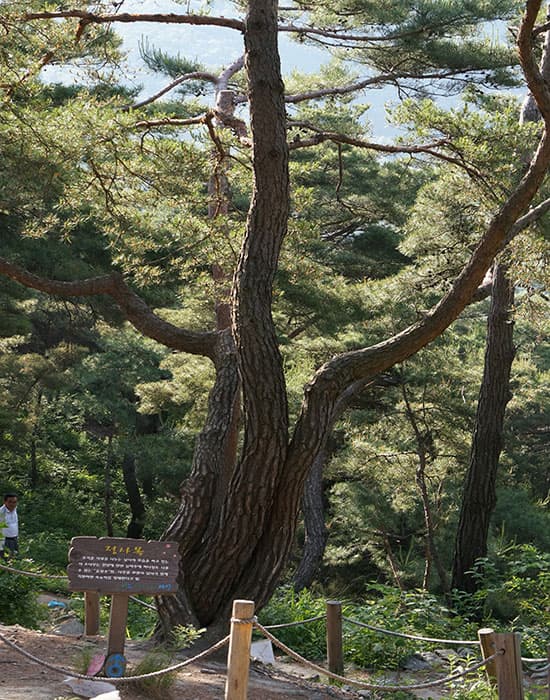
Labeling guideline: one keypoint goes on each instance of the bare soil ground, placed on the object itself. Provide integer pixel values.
(24, 679)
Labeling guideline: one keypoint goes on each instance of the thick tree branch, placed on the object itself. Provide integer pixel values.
(321, 136)
(173, 121)
(125, 17)
(221, 82)
(196, 75)
(344, 35)
(229, 72)
(390, 78)
(132, 306)
(342, 370)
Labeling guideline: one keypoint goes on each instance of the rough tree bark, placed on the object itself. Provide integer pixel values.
(479, 496)
(236, 528)
(315, 530)
(313, 511)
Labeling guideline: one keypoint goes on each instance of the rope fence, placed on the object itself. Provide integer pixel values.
(253, 622)
(370, 686)
(501, 652)
(460, 642)
(126, 679)
(296, 623)
(32, 573)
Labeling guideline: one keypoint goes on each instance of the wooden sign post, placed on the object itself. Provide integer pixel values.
(121, 567)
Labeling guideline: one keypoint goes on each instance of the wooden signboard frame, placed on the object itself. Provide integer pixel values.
(120, 567)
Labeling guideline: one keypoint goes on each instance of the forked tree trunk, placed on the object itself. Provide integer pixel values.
(221, 521)
(479, 497)
(236, 530)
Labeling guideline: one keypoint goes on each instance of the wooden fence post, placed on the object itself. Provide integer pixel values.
(91, 613)
(509, 671)
(335, 656)
(238, 657)
(486, 638)
(118, 618)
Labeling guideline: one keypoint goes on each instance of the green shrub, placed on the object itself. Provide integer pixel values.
(387, 608)
(514, 594)
(157, 686)
(19, 599)
(141, 620)
(287, 606)
(49, 548)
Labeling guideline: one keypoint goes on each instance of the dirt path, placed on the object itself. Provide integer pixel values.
(24, 679)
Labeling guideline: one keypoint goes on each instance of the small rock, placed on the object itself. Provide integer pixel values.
(71, 627)
(415, 663)
(90, 689)
(468, 652)
(432, 658)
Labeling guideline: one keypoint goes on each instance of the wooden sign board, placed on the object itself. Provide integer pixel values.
(119, 565)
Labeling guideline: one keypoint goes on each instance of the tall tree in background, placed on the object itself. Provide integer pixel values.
(237, 518)
(479, 496)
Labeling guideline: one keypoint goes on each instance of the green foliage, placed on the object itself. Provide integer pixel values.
(514, 591)
(175, 67)
(18, 598)
(49, 548)
(426, 37)
(141, 619)
(521, 519)
(183, 636)
(411, 612)
(372, 244)
(479, 690)
(408, 612)
(157, 686)
(288, 606)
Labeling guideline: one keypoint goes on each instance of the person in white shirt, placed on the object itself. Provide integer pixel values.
(10, 528)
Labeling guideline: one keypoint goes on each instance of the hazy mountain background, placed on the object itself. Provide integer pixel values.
(214, 47)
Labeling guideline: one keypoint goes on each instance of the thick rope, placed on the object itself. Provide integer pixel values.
(371, 686)
(125, 679)
(243, 620)
(296, 623)
(142, 602)
(412, 636)
(55, 576)
(31, 573)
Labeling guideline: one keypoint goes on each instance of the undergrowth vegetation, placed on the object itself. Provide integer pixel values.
(514, 595)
